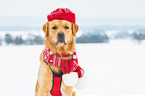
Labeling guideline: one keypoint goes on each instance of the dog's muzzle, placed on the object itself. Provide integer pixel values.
(60, 37)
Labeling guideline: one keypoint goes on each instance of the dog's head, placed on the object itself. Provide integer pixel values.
(60, 35)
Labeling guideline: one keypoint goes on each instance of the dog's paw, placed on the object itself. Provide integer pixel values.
(82, 83)
(70, 79)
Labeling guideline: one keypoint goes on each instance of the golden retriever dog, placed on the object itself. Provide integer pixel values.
(59, 38)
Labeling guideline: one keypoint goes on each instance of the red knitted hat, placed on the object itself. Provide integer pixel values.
(62, 13)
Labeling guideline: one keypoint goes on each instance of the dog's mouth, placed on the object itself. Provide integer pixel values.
(60, 42)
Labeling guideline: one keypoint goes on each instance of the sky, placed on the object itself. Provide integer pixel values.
(82, 8)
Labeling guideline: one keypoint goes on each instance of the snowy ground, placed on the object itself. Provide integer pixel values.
(116, 68)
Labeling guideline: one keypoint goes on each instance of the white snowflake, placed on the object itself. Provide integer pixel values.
(45, 57)
(50, 60)
(50, 52)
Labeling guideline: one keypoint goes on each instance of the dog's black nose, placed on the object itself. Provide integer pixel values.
(60, 34)
(60, 37)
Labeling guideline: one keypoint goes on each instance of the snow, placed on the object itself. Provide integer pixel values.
(114, 69)
(111, 33)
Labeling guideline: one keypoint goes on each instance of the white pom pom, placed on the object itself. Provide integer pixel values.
(82, 83)
(70, 79)
(74, 56)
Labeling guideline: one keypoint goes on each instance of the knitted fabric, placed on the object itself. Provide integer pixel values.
(67, 66)
(62, 13)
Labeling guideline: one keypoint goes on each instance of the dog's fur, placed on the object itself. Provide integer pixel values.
(45, 76)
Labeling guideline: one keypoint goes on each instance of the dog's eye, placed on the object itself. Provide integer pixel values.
(66, 27)
(54, 27)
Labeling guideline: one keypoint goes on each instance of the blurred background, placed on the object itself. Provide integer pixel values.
(21, 21)
(110, 44)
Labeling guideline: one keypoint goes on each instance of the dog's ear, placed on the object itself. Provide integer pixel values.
(75, 29)
(46, 28)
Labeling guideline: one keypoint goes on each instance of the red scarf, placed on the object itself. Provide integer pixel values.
(67, 66)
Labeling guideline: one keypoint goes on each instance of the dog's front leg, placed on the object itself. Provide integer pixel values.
(44, 81)
(67, 90)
